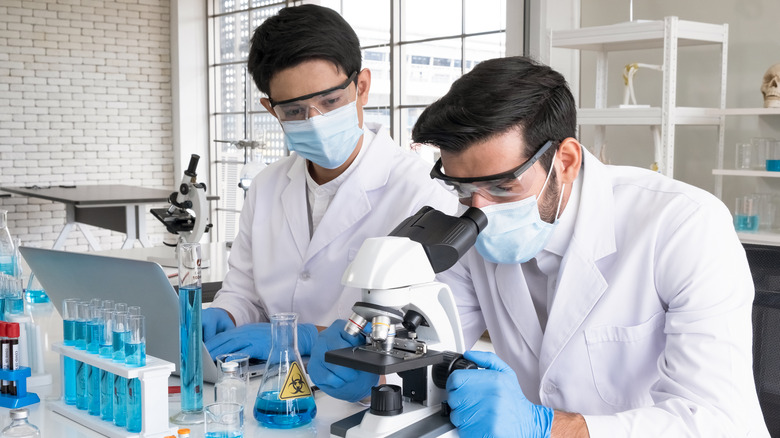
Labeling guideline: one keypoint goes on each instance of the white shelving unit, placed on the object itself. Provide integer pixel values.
(668, 34)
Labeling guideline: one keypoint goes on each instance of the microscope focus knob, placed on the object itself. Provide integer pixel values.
(386, 400)
(452, 362)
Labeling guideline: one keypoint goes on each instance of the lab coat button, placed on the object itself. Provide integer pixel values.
(304, 275)
(549, 388)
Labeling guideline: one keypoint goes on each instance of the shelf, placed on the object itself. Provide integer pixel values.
(760, 238)
(634, 35)
(751, 112)
(647, 116)
(740, 172)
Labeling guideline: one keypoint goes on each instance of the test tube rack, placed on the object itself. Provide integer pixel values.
(154, 394)
(22, 397)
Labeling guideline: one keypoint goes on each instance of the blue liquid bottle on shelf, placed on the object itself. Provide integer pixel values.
(284, 399)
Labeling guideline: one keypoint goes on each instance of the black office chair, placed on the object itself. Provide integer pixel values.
(765, 267)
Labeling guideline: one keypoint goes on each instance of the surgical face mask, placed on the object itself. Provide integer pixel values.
(516, 232)
(326, 140)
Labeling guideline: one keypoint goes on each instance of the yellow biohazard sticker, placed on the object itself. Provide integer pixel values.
(295, 385)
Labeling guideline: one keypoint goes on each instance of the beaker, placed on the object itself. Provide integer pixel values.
(284, 399)
(190, 335)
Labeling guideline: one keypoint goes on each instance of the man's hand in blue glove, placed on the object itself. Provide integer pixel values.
(255, 340)
(489, 402)
(337, 381)
(215, 320)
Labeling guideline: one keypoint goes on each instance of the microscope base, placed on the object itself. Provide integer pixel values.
(416, 421)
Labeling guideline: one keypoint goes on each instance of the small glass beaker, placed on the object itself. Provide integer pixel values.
(773, 156)
(224, 420)
(760, 152)
(284, 399)
(746, 215)
(744, 156)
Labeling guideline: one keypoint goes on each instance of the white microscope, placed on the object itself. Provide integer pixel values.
(188, 214)
(415, 327)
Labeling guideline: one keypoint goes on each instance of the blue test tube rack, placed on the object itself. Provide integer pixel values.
(22, 397)
(154, 394)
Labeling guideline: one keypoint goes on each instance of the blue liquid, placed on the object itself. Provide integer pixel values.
(69, 332)
(135, 354)
(70, 381)
(94, 336)
(284, 414)
(94, 390)
(118, 345)
(746, 223)
(82, 384)
(36, 296)
(120, 401)
(190, 334)
(773, 165)
(7, 265)
(134, 406)
(225, 434)
(106, 351)
(81, 334)
(106, 396)
(14, 305)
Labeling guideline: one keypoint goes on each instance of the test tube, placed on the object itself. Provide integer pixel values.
(14, 299)
(120, 334)
(120, 307)
(95, 328)
(134, 412)
(106, 378)
(135, 347)
(133, 310)
(83, 315)
(82, 369)
(69, 317)
(108, 304)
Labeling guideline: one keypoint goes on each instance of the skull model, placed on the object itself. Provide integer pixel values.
(770, 88)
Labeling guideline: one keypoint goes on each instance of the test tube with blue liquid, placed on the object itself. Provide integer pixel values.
(119, 337)
(69, 317)
(190, 335)
(106, 378)
(14, 300)
(135, 356)
(82, 369)
(94, 338)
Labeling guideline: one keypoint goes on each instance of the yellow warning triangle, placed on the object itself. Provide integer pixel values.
(295, 385)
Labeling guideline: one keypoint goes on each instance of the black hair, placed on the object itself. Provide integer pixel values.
(496, 96)
(302, 33)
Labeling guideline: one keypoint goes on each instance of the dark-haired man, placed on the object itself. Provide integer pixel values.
(618, 300)
(305, 216)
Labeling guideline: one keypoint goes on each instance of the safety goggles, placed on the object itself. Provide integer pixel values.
(323, 101)
(502, 187)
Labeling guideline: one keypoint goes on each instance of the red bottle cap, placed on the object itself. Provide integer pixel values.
(13, 329)
(3, 329)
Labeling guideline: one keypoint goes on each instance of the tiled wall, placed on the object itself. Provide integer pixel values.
(85, 98)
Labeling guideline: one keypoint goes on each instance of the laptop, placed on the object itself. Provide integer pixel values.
(135, 282)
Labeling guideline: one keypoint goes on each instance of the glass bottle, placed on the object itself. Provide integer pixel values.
(20, 427)
(6, 246)
(190, 335)
(230, 388)
(284, 399)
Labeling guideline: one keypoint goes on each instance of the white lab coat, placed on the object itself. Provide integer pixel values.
(650, 330)
(275, 266)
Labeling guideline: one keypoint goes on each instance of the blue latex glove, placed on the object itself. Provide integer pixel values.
(337, 381)
(489, 402)
(215, 320)
(255, 340)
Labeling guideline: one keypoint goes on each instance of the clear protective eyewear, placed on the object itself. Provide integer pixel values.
(323, 101)
(501, 187)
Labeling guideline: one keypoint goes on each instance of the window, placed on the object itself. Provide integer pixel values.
(399, 39)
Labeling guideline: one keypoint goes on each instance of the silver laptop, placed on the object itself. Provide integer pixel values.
(135, 282)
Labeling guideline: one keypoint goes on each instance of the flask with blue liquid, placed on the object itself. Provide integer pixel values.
(284, 400)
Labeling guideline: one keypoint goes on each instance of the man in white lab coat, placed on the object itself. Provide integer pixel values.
(306, 215)
(618, 300)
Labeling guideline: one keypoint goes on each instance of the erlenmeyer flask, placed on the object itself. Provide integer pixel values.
(284, 399)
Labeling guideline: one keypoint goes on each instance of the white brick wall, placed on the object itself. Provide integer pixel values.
(85, 98)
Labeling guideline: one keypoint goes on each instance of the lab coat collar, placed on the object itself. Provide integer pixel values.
(580, 283)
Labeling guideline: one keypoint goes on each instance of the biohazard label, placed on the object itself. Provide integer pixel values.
(295, 385)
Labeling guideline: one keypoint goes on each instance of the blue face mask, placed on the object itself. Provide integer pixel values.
(326, 140)
(515, 232)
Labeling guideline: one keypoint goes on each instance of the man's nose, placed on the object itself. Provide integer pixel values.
(479, 201)
(313, 111)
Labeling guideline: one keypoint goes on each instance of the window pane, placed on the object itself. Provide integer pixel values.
(485, 15)
(381, 116)
(370, 19)
(229, 88)
(417, 19)
(266, 128)
(233, 34)
(222, 6)
(260, 15)
(428, 70)
(378, 61)
(480, 48)
(408, 119)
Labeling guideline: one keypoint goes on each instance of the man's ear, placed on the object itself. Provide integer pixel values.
(267, 105)
(570, 159)
(363, 86)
